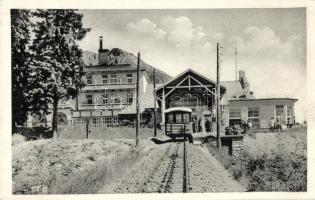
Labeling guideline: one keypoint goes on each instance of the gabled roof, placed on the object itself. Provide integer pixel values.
(204, 80)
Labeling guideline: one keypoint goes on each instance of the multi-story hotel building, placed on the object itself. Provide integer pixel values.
(110, 91)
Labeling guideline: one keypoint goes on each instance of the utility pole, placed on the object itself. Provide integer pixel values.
(137, 101)
(87, 128)
(218, 98)
(235, 63)
(154, 102)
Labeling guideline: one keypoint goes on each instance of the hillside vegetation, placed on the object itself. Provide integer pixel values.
(70, 166)
(270, 161)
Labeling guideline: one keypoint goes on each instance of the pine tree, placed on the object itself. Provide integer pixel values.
(21, 70)
(57, 57)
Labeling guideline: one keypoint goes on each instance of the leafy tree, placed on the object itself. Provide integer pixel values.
(20, 60)
(57, 57)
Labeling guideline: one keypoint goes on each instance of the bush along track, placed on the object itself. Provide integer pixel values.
(282, 168)
(67, 166)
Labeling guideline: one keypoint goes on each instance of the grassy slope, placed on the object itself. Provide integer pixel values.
(69, 166)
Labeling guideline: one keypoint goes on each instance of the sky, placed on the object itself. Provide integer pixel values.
(271, 44)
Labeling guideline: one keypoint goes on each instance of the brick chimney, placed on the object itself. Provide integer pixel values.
(102, 53)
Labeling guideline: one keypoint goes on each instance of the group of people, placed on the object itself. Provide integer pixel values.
(246, 125)
(203, 125)
(275, 125)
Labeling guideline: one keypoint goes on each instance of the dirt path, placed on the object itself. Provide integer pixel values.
(206, 174)
(129, 179)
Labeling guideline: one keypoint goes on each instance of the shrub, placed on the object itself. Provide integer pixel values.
(275, 172)
(274, 162)
(17, 138)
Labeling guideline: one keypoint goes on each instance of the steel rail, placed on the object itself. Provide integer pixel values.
(171, 170)
(156, 167)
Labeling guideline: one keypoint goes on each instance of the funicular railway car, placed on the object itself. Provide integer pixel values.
(178, 123)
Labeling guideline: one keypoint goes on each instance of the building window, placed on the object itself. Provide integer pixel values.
(129, 98)
(77, 121)
(113, 78)
(186, 118)
(89, 99)
(110, 121)
(178, 118)
(105, 79)
(105, 99)
(253, 116)
(106, 120)
(89, 80)
(96, 121)
(80, 121)
(117, 100)
(279, 113)
(290, 119)
(170, 118)
(234, 116)
(129, 78)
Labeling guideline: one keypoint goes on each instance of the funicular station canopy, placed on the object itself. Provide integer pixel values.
(191, 90)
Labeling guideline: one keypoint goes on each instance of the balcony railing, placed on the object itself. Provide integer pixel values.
(109, 86)
(95, 83)
(100, 104)
(103, 106)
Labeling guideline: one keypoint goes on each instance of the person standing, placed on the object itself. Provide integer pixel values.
(202, 124)
(249, 124)
(272, 124)
(194, 125)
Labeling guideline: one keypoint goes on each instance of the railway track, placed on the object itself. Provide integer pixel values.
(170, 174)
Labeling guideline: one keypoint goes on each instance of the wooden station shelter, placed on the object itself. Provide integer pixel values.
(194, 91)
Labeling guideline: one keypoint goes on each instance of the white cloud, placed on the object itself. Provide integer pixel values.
(263, 43)
(146, 27)
(179, 30)
(261, 38)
